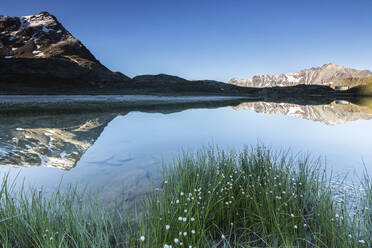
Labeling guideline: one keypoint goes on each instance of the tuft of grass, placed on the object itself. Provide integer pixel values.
(249, 199)
(28, 219)
(212, 198)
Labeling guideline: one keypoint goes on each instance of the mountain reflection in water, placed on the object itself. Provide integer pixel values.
(54, 141)
(60, 141)
(336, 113)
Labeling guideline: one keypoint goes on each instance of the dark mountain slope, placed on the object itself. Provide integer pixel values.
(37, 52)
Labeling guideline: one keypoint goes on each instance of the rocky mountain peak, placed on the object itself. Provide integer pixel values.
(36, 50)
(39, 36)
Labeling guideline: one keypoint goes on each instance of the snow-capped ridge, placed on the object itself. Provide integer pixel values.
(324, 75)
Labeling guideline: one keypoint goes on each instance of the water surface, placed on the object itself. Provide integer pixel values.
(120, 155)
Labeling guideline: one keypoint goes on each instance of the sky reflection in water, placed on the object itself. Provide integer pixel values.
(127, 157)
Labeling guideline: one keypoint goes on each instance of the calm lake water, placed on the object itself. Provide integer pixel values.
(120, 155)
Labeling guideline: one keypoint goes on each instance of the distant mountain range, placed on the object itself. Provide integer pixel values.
(326, 75)
(39, 56)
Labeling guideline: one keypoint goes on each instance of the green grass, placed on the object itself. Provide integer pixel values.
(253, 198)
(353, 82)
(28, 219)
(363, 89)
(212, 198)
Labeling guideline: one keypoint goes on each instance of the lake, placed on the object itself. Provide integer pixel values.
(119, 154)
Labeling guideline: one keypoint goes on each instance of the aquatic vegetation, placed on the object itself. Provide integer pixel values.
(212, 198)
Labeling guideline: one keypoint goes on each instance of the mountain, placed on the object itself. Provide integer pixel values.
(336, 113)
(36, 50)
(175, 85)
(325, 75)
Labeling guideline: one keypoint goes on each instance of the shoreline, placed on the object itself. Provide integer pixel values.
(137, 99)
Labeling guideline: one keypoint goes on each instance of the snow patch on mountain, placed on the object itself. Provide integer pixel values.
(291, 77)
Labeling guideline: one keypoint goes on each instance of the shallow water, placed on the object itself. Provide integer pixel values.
(120, 155)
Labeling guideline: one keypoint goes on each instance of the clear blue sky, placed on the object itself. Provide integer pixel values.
(218, 40)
